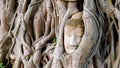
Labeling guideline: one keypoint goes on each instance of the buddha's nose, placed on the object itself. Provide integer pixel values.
(73, 40)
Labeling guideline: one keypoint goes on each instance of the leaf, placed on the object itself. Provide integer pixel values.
(54, 39)
(1, 65)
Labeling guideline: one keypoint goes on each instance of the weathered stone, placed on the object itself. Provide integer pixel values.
(73, 32)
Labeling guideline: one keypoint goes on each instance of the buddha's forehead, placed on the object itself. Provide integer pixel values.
(74, 22)
(72, 27)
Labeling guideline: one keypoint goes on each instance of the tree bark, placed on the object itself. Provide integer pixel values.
(33, 33)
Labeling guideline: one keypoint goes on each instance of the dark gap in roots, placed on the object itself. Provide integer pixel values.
(95, 62)
(80, 5)
(6, 64)
(13, 23)
(9, 65)
(42, 50)
(105, 46)
(115, 31)
(106, 65)
(113, 2)
(16, 5)
(104, 51)
(28, 3)
(115, 37)
(0, 23)
(22, 49)
(104, 25)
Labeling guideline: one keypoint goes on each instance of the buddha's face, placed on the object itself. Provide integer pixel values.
(72, 37)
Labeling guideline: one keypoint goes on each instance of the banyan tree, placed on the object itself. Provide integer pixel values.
(60, 33)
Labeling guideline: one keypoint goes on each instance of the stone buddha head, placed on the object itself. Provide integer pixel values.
(73, 33)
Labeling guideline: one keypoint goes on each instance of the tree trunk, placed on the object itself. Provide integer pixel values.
(60, 33)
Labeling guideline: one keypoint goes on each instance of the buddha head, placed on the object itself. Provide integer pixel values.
(73, 33)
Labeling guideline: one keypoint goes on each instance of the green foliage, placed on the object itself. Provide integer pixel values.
(1, 65)
(54, 39)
